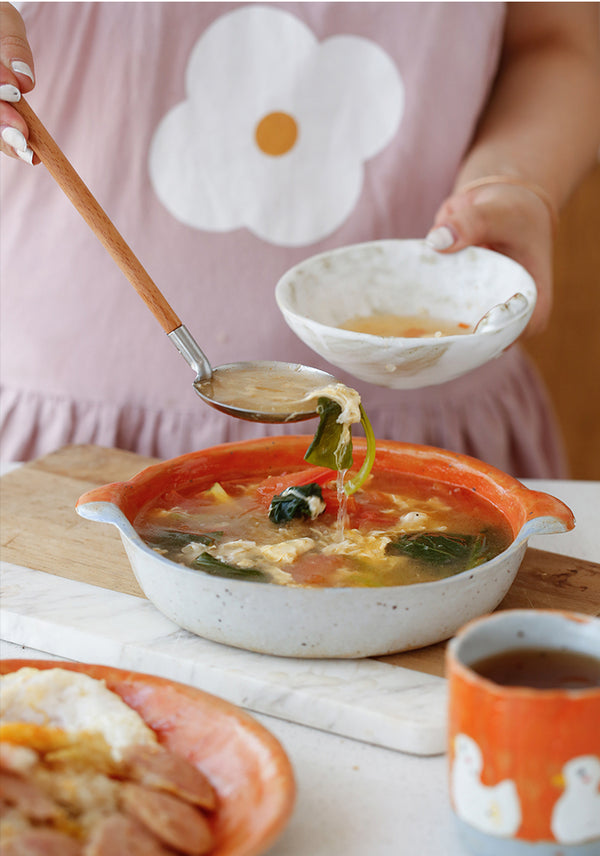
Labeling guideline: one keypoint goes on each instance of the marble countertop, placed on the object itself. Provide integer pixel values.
(354, 794)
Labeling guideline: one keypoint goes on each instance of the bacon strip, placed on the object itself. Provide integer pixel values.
(28, 798)
(41, 842)
(119, 835)
(176, 823)
(166, 771)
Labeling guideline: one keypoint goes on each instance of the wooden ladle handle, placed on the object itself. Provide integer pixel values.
(94, 215)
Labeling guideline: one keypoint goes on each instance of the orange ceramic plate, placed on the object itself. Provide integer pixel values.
(246, 765)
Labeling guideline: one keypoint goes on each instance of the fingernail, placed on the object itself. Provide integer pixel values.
(14, 138)
(17, 141)
(26, 155)
(20, 67)
(8, 92)
(440, 238)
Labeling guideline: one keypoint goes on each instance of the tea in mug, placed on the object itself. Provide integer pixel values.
(541, 668)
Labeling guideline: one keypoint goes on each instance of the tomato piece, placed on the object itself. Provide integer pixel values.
(369, 511)
(316, 570)
(332, 503)
(370, 518)
(273, 485)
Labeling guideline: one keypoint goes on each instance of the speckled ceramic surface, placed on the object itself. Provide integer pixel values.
(322, 622)
(406, 278)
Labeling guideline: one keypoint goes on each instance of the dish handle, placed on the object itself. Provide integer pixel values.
(545, 514)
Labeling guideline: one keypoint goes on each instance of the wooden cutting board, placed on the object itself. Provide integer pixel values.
(41, 530)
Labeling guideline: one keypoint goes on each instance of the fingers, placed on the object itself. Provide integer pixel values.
(16, 77)
(508, 219)
(15, 53)
(460, 222)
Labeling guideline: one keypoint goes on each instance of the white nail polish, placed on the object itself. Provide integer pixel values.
(8, 92)
(20, 67)
(26, 155)
(440, 238)
(14, 138)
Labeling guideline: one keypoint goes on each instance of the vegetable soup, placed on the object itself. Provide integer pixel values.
(301, 529)
(406, 326)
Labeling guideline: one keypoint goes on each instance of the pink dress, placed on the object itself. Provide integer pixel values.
(228, 142)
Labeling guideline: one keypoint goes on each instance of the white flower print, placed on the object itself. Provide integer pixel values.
(275, 129)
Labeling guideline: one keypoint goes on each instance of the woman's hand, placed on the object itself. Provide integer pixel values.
(509, 219)
(16, 76)
(541, 125)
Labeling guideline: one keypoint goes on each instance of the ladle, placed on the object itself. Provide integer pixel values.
(260, 391)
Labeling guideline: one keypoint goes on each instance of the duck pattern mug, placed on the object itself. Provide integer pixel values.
(524, 760)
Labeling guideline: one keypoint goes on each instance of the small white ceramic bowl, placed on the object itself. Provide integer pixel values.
(407, 278)
(322, 622)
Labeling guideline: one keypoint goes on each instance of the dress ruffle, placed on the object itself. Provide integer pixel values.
(498, 413)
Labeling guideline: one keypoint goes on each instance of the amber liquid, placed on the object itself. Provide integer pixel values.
(405, 326)
(264, 389)
(541, 668)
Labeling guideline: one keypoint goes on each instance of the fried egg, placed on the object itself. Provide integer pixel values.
(73, 702)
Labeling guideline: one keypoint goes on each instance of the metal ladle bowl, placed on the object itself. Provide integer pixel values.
(259, 391)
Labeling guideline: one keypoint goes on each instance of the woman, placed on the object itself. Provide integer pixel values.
(230, 141)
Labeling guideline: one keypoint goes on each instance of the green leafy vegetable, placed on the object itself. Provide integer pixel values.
(295, 502)
(441, 548)
(174, 539)
(353, 484)
(211, 565)
(326, 449)
(208, 538)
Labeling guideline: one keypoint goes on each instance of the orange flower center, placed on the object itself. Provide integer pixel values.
(276, 133)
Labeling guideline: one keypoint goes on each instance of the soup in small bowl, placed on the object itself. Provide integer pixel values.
(246, 544)
(400, 315)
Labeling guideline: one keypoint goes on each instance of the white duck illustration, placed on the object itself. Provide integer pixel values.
(576, 814)
(494, 809)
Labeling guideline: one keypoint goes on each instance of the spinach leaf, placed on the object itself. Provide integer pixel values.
(175, 539)
(207, 538)
(353, 484)
(215, 567)
(441, 548)
(294, 502)
(324, 450)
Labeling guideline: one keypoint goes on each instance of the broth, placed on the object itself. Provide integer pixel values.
(405, 326)
(266, 389)
(541, 668)
(398, 529)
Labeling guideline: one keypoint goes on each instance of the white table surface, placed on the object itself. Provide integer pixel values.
(358, 799)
